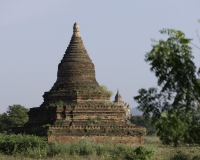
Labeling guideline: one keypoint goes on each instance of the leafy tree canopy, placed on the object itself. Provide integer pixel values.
(174, 106)
(15, 116)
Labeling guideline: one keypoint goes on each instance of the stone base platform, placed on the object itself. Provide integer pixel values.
(110, 140)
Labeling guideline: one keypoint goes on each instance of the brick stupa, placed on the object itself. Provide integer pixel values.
(77, 107)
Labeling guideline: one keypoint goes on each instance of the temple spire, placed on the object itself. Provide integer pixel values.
(75, 72)
(76, 30)
(118, 97)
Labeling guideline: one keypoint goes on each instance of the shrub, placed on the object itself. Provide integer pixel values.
(130, 153)
(55, 148)
(82, 148)
(11, 144)
(181, 156)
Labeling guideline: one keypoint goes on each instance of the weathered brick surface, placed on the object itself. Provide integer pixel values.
(128, 140)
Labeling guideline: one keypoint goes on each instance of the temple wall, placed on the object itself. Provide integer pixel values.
(127, 140)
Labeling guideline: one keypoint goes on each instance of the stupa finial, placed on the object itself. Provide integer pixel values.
(118, 97)
(76, 30)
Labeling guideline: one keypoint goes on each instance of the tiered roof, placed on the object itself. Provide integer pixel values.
(76, 68)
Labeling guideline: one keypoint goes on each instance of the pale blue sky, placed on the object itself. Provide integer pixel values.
(34, 35)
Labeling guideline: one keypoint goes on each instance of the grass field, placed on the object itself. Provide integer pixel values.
(161, 152)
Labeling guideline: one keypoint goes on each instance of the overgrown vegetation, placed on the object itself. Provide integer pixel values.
(87, 93)
(61, 103)
(32, 147)
(37, 147)
(95, 120)
(94, 89)
(87, 90)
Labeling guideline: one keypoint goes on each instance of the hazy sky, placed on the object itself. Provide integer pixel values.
(34, 35)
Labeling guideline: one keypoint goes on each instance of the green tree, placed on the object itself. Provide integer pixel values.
(15, 116)
(174, 106)
(140, 121)
(3, 122)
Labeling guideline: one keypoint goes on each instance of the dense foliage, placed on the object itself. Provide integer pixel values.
(15, 116)
(37, 147)
(173, 107)
(12, 144)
